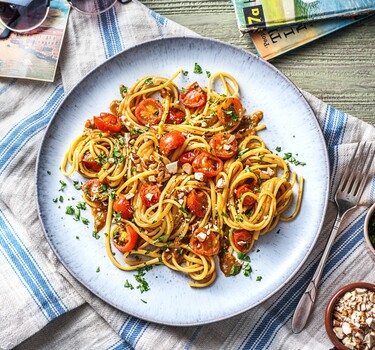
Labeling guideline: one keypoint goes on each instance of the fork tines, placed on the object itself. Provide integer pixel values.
(356, 174)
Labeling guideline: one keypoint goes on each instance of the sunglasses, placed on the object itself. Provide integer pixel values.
(24, 15)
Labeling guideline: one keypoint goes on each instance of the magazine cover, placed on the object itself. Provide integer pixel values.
(270, 43)
(254, 14)
(34, 55)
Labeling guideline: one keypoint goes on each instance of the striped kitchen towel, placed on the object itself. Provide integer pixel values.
(43, 307)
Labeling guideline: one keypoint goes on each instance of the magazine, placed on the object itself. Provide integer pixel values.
(255, 14)
(34, 55)
(270, 43)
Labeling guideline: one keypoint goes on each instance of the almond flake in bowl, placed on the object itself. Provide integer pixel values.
(350, 317)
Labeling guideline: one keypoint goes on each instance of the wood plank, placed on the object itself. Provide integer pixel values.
(339, 69)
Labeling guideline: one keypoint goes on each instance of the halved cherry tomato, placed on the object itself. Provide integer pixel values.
(204, 242)
(224, 145)
(171, 140)
(175, 116)
(208, 164)
(150, 194)
(197, 203)
(186, 157)
(95, 190)
(107, 122)
(90, 162)
(125, 239)
(251, 187)
(122, 205)
(149, 112)
(194, 96)
(243, 240)
(230, 112)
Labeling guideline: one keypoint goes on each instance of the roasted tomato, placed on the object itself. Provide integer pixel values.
(194, 96)
(197, 203)
(205, 242)
(122, 205)
(125, 238)
(149, 112)
(150, 194)
(95, 190)
(243, 240)
(187, 157)
(90, 162)
(230, 112)
(107, 122)
(175, 116)
(208, 164)
(224, 145)
(250, 187)
(170, 141)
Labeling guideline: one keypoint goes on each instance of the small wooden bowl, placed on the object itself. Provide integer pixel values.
(328, 319)
(369, 215)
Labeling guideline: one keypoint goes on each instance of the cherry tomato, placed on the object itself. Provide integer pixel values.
(224, 145)
(122, 205)
(208, 164)
(242, 240)
(150, 195)
(149, 112)
(90, 162)
(251, 187)
(187, 157)
(197, 203)
(194, 96)
(125, 239)
(95, 190)
(107, 122)
(204, 242)
(170, 141)
(175, 116)
(230, 111)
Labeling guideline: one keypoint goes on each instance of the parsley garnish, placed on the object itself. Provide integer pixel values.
(161, 238)
(289, 157)
(85, 221)
(69, 210)
(98, 269)
(208, 74)
(197, 69)
(63, 184)
(278, 149)
(259, 278)
(143, 285)
(149, 82)
(95, 234)
(48, 172)
(81, 205)
(127, 284)
(235, 270)
(77, 185)
(185, 72)
(123, 89)
(241, 153)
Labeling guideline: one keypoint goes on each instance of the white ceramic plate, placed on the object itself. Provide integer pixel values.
(291, 125)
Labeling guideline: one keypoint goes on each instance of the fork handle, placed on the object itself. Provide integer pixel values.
(306, 303)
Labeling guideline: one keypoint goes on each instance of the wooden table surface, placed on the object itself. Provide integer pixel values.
(339, 68)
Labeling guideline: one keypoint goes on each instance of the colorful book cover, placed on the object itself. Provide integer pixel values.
(34, 55)
(271, 43)
(255, 14)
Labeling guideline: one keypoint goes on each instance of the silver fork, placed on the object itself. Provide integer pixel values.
(347, 196)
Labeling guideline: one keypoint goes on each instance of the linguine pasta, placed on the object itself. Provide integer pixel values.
(181, 178)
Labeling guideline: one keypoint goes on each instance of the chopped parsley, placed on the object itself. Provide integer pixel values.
(143, 285)
(61, 199)
(259, 278)
(235, 269)
(208, 74)
(95, 234)
(127, 284)
(185, 72)
(123, 89)
(101, 159)
(161, 238)
(48, 172)
(197, 69)
(77, 185)
(85, 221)
(63, 184)
(183, 90)
(69, 210)
(98, 269)
(183, 210)
(149, 82)
(241, 153)
(278, 149)
(291, 159)
(54, 200)
(81, 205)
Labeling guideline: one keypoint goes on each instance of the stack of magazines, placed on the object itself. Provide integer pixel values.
(278, 26)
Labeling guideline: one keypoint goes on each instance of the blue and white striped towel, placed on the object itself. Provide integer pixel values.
(43, 307)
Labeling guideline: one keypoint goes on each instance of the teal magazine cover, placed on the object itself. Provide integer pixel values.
(254, 14)
(34, 55)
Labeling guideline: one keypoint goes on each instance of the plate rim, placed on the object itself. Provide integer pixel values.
(233, 47)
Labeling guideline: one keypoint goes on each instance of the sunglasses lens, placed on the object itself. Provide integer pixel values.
(23, 17)
(92, 6)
